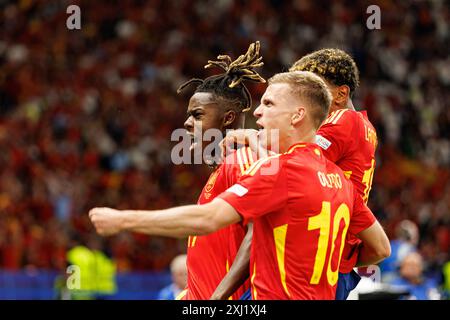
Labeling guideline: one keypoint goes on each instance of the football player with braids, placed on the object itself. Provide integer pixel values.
(301, 205)
(219, 102)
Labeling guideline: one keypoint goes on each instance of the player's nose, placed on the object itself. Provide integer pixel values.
(189, 124)
(258, 112)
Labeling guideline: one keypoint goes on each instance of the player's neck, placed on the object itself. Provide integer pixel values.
(309, 136)
(304, 136)
(350, 105)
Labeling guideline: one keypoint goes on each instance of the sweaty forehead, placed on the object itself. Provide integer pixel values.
(201, 99)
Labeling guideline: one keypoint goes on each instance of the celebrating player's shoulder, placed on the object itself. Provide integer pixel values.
(336, 135)
(348, 138)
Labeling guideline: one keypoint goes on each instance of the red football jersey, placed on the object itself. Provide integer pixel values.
(349, 139)
(302, 207)
(209, 257)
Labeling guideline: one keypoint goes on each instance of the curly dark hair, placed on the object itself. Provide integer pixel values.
(229, 85)
(335, 65)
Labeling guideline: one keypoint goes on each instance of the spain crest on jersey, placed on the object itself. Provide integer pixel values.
(210, 184)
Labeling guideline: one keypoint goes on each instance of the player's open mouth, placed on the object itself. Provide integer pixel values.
(260, 126)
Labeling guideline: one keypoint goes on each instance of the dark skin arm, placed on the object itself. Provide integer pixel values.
(239, 271)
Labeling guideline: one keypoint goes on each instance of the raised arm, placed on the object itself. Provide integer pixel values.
(239, 271)
(176, 222)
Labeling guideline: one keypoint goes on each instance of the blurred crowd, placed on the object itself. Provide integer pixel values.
(86, 115)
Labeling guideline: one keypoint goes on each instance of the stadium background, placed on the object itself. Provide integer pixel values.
(86, 117)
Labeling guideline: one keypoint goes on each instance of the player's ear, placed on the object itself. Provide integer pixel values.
(228, 118)
(298, 116)
(342, 95)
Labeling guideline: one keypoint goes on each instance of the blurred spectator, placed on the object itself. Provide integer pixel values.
(178, 270)
(91, 274)
(446, 284)
(405, 242)
(412, 279)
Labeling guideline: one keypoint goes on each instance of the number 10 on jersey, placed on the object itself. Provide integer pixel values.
(323, 222)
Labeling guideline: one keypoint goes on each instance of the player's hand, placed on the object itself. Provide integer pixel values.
(244, 137)
(238, 138)
(106, 221)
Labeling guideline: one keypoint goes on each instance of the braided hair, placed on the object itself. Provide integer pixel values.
(230, 84)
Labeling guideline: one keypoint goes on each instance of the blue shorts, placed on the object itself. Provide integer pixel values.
(346, 283)
(247, 295)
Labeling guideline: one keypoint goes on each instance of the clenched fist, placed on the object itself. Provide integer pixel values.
(106, 221)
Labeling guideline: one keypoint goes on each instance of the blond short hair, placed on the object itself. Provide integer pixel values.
(311, 89)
